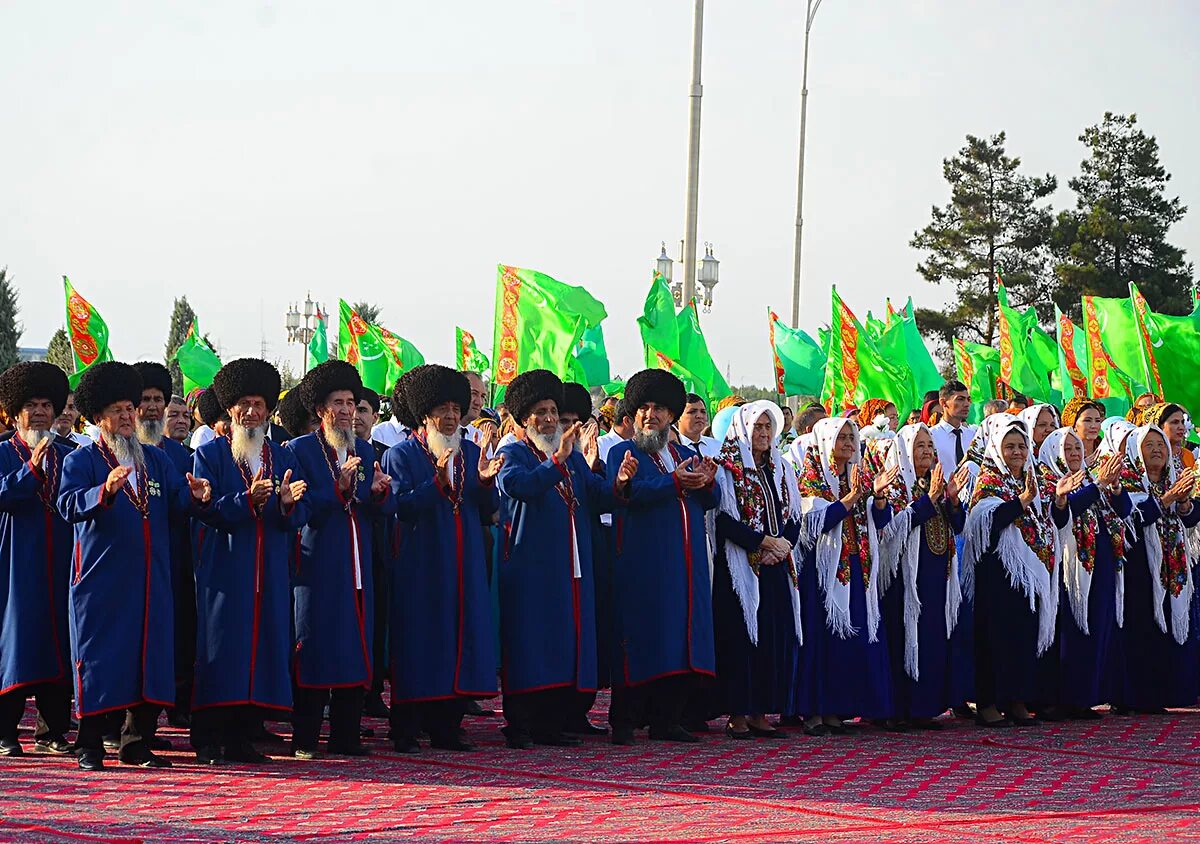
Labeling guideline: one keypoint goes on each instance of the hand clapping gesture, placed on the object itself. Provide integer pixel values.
(627, 470)
(380, 483)
(1065, 486)
(38, 456)
(957, 482)
(260, 488)
(567, 444)
(291, 491)
(488, 469)
(1109, 471)
(937, 483)
(589, 442)
(856, 488)
(1182, 489)
(1031, 488)
(693, 474)
(201, 489)
(117, 479)
(348, 473)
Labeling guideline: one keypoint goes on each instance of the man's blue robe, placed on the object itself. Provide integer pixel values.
(35, 565)
(333, 590)
(243, 588)
(121, 611)
(441, 640)
(547, 614)
(661, 590)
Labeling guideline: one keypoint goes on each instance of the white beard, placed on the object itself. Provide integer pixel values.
(127, 450)
(439, 443)
(341, 439)
(150, 433)
(32, 437)
(545, 444)
(651, 443)
(247, 443)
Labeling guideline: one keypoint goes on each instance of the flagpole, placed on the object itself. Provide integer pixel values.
(813, 5)
(695, 92)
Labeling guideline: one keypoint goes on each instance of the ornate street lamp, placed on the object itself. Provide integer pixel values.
(707, 276)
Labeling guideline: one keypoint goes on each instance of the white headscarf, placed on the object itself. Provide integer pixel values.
(828, 544)
(981, 436)
(901, 542)
(1025, 570)
(1114, 429)
(1029, 416)
(1181, 603)
(745, 581)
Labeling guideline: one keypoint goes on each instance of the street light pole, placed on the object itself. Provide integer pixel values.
(808, 22)
(693, 174)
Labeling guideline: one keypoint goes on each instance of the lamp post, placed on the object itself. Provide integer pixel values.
(695, 92)
(813, 5)
(707, 276)
(302, 325)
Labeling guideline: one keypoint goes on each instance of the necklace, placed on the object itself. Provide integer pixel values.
(565, 489)
(458, 469)
(247, 475)
(48, 491)
(334, 467)
(141, 498)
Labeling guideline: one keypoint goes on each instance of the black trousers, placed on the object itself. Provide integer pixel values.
(544, 712)
(138, 726)
(53, 706)
(379, 648)
(440, 718)
(659, 703)
(225, 726)
(345, 716)
(580, 708)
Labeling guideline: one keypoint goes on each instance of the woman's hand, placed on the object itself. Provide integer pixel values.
(957, 483)
(1109, 471)
(884, 480)
(1182, 489)
(1030, 492)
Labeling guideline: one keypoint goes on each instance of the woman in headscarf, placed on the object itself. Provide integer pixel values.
(1113, 432)
(1085, 416)
(1092, 599)
(1161, 660)
(844, 663)
(756, 605)
(1039, 420)
(1172, 420)
(1010, 566)
(1141, 404)
(878, 425)
(921, 609)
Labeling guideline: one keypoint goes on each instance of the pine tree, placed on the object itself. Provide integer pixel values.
(58, 352)
(287, 375)
(994, 220)
(182, 317)
(10, 329)
(369, 312)
(1117, 231)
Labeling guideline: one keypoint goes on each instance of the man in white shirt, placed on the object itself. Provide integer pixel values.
(951, 436)
(691, 426)
(622, 430)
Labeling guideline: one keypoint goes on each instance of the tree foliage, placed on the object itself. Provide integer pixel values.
(287, 375)
(368, 311)
(1117, 231)
(58, 352)
(10, 328)
(182, 317)
(995, 219)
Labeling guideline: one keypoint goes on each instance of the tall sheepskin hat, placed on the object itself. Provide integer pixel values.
(247, 377)
(529, 388)
(155, 376)
(658, 386)
(107, 383)
(326, 378)
(33, 380)
(577, 400)
(434, 385)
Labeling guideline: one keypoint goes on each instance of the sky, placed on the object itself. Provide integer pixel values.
(246, 154)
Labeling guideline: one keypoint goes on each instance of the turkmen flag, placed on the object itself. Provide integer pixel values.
(979, 369)
(197, 361)
(696, 359)
(657, 325)
(591, 359)
(1172, 348)
(874, 327)
(318, 346)
(1023, 365)
(857, 370)
(901, 340)
(401, 355)
(1108, 382)
(539, 322)
(379, 356)
(798, 360)
(467, 356)
(1072, 356)
(88, 332)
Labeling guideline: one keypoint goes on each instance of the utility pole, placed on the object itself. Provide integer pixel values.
(693, 174)
(808, 22)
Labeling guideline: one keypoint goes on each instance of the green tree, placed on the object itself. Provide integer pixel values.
(10, 329)
(287, 375)
(369, 312)
(995, 219)
(182, 317)
(1117, 231)
(752, 393)
(58, 352)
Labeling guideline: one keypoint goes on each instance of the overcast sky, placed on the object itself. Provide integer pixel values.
(246, 153)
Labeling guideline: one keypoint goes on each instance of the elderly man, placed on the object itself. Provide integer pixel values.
(549, 496)
(119, 495)
(243, 597)
(662, 591)
(441, 643)
(35, 560)
(333, 588)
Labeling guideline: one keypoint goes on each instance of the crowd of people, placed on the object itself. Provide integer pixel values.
(243, 558)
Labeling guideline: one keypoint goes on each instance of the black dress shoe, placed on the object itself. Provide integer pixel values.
(759, 732)
(158, 743)
(473, 708)
(456, 744)
(1083, 713)
(585, 728)
(11, 747)
(964, 711)
(55, 745)
(622, 736)
(1000, 723)
(819, 730)
(740, 735)
(556, 740)
(111, 742)
(210, 755)
(1053, 714)
(182, 720)
(516, 739)
(675, 732)
(349, 749)
(150, 760)
(406, 745)
(91, 760)
(697, 727)
(374, 707)
(245, 753)
(1027, 721)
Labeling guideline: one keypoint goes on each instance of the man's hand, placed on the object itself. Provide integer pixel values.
(567, 444)
(38, 456)
(489, 469)
(627, 469)
(201, 489)
(445, 469)
(291, 491)
(380, 483)
(589, 442)
(116, 481)
(348, 473)
(692, 474)
(260, 488)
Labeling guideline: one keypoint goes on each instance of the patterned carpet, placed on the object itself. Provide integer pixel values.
(1116, 780)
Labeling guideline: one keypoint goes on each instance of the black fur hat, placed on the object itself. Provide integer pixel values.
(326, 378)
(154, 376)
(107, 383)
(246, 377)
(209, 407)
(658, 386)
(33, 380)
(529, 388)
(432, 385)
(293, 415)
(399, 404)
(577, 400)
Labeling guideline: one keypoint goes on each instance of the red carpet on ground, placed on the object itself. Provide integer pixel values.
(1115, 780)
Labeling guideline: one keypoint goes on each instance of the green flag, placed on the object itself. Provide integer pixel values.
(88, 332)
(401, 356)
(1172, 348)
(798, 360)
(901, 341)
(197, 361)
(695, 357)
(657, 325)
(1108, 382)
(857, 370)
(379, 356)
(318, 346)
(978, 368)
(1072, 356)
(664, 345)
(538, 324)
(467, 356)
(874, 327)
(1023, 363)
(591, 359)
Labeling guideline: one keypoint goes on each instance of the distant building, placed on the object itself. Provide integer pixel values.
(31, 353)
